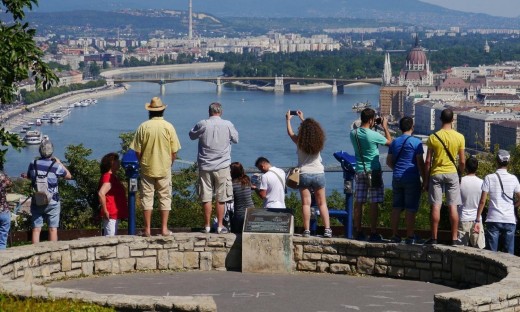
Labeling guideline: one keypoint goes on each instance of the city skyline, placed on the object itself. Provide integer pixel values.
(505, 8)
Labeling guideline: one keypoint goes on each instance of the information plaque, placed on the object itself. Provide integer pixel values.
(258, 220)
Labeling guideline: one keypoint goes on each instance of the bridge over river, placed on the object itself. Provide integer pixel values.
(277, 83)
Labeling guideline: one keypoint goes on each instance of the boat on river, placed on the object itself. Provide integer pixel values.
(33, 137)
(56, 119)
(358, 107)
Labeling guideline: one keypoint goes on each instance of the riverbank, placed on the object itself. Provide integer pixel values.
(163, 68)
(293, 87)
(13, 120)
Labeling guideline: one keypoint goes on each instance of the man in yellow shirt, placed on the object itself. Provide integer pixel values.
(442, 174)
(156, 145)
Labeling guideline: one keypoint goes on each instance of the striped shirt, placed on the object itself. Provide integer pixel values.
(57, 170)
(501, 208)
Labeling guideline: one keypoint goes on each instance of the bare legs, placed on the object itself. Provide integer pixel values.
(207, 213)
(321, 201)
(53, 235)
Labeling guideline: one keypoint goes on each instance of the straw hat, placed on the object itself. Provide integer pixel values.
(155, 105)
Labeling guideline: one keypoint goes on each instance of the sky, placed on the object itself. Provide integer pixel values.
(508, 8)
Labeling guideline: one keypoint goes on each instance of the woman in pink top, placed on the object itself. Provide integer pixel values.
(112, 195)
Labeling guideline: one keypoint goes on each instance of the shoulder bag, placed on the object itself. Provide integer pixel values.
(375, 177)
(504, 193)
(281, 180)
(450, 156)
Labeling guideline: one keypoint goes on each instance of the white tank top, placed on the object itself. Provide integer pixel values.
(309, 163)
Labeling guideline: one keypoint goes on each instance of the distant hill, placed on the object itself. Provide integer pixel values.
(402, 11)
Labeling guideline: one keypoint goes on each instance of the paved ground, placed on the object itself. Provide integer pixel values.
(234, 291)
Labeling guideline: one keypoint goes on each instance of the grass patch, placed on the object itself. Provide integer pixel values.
(10, 303)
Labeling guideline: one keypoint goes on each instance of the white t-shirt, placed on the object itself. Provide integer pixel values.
(501, 208)
(470, 191)
(275, 189)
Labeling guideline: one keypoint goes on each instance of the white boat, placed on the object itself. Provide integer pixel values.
(77, 104)
(26, 127)
(23, 131)
(358, 107)
(71, 105)
(33, 137)
(56, 119)
(45, 118)
(63, 112)
(38, 122)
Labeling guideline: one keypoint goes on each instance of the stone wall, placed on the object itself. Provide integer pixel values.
(23, 269)
(488, 281)
(491, 281)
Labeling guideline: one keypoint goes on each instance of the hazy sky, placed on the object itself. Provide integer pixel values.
(509, 8)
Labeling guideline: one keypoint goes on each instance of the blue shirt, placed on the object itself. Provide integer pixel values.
(215, 137)
(405, 168)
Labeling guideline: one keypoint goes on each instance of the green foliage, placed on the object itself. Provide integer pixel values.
(40, 95)
(58, 66)
(10, 303)
(20, 58)
(79, 199)
(9, 139)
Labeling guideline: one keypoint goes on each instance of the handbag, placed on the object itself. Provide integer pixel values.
(374, 178)
(293, 178)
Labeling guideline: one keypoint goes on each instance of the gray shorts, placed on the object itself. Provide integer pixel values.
(216, 183)
(447, 183)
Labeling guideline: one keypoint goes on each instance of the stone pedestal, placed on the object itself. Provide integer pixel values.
(267, 253)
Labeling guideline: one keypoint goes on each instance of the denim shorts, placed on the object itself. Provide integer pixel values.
(315, 181)
(51, 214)
(406, 195)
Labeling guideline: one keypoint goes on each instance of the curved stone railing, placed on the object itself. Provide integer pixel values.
(490, 281)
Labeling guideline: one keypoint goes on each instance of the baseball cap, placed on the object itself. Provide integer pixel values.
(503, 155)
(46, 149)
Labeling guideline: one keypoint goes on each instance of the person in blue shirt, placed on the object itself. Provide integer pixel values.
(405, 157)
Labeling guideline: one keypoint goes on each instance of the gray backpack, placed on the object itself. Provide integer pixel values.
(41, 197)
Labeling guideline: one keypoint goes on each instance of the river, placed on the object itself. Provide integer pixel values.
(258, 116)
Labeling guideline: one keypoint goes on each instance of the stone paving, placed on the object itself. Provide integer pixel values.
(236, 292)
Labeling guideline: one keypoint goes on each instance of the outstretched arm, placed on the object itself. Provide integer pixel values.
(290, 131)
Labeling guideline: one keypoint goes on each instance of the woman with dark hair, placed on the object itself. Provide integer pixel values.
(112, 195)
(309, 143)
(241, 196)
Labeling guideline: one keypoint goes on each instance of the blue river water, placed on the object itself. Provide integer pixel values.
(258, 116)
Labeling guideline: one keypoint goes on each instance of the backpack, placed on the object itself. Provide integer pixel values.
(41, 197)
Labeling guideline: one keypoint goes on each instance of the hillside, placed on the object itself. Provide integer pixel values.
(401, 11)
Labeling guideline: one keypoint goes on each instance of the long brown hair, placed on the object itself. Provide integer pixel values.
(311, 137)
(107, 161)
(238, 174)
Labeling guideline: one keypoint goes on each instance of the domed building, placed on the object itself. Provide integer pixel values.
(416, 71)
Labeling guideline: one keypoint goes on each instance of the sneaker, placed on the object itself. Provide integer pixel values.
(412, 240)
(306, 233)
(222, 231)
(396, 239)
(206, 230)
(431, 241)
(327, 233)
(374, 238)
(457, 242)
(360, 236)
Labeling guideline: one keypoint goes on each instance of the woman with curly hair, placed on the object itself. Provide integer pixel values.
(309, 142)
(112, 195)
(241, 196)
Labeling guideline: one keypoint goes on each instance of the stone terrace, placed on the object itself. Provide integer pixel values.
(490, 281)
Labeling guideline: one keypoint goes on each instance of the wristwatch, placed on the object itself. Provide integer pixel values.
(477, 221)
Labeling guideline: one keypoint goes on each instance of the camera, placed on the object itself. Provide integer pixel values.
(256, 179)
(379, 120)
(293, 112)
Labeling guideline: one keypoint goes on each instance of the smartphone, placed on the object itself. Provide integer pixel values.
(293, 112)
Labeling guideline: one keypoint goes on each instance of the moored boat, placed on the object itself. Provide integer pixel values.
(360, 106)
(56, 119)
(33, 137)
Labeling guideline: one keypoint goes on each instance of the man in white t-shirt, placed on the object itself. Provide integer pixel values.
(470, 191)
(502, 188)
(272, 184)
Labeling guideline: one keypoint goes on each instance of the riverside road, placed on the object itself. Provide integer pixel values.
(237, 292)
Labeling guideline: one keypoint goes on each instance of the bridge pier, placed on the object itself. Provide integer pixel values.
(219, 85)
(278, 84)
(341, 89)
(334, 87)
(162, 85)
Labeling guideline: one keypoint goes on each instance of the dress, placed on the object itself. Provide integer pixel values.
(5, 212)
(241, 201)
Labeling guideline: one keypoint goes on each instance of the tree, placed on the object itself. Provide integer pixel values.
(20, 59)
